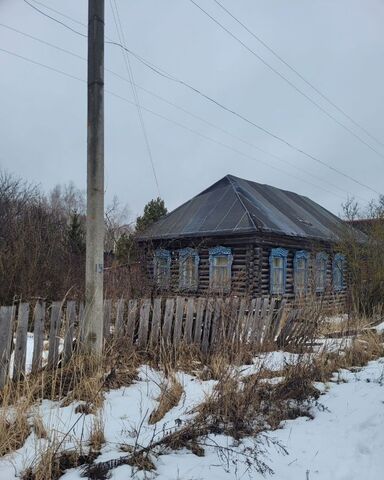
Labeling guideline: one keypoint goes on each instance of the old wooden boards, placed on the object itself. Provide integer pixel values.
(209, 323)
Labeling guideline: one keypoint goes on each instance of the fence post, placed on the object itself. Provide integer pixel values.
(70, 316)
(54, 340)
(21, 342)
(6, 321)
(38, 335)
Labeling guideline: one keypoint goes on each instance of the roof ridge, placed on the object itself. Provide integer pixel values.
(228, 176)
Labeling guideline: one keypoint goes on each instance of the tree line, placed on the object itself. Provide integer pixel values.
(42, 239)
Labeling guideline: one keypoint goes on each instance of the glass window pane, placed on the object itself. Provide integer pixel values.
(277, 262)
(221, 261)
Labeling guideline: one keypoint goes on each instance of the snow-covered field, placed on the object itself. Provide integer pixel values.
(344, 441)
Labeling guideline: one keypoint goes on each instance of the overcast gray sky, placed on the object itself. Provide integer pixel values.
(335, 44)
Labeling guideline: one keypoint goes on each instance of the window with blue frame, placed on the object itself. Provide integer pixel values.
(220, 268)
(278, 270)
(321, 271)
(162, 268)
(188, 269)
(300, 271)
(338, 269)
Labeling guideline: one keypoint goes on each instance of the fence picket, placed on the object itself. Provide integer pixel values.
(81, 323)
(131, 323)
(179, 314)
(217, 321)
(257, 324)
(168, 318)
(107, 310)
(119, 323)
(188, 331)
(201, 303)
(6, 322)
(70, 317)
(156, 321)
(38, 335)
(54, 340)
(207, 324)
(21, 342)
(265, 328)
(232, 321)
(144, 322)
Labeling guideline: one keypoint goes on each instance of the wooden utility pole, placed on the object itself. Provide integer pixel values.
(93, 318)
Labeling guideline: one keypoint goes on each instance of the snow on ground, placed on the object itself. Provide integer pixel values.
(345, 441)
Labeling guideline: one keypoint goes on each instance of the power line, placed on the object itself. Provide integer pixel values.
(231, 111)
(54, 19)
(206, 137)
(178, 107)
(128, 67)
(294, 70)
(285, 79)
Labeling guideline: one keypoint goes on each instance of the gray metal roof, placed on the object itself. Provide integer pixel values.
(237, 206)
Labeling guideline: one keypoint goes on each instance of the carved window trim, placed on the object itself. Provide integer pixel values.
(214, 284)
(278, 289)
(162, 273)
(184, 255)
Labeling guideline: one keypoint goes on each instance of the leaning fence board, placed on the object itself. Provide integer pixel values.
(21, 341)
(6, 321)
(156, 321)
(207, 325)
(168, 318)
(217, 325)
(54, 340)
(82, 322)
(38, 335)
(199, 320)
(179, 314)
(265, 328)
(119, 323)
(131, 323)
(70, 317)
(240, 320)
(257, 322)
(279, 320)
(232, 321)
(143, 323)
(107, 319)
(188, 330)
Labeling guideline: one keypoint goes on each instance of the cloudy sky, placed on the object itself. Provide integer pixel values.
(336, 45)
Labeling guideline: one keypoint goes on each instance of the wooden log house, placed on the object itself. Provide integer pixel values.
(243, 238)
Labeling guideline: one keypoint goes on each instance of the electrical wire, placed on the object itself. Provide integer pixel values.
(174, 122)
(285, 79)
(128, 67)
(229, 110)
(294, 70)
(178, 107)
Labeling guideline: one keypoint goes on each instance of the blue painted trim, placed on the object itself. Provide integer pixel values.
(338, 272)
(321, 258)
(185, 253)
(278, 253)
(162, 254)
(299, 255)
(220, 251)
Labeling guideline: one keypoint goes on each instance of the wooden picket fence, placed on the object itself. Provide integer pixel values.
(145, 323)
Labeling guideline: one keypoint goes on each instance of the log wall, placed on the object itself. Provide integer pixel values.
(250, 268)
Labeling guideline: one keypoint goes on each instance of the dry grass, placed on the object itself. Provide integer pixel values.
(171, 392)
(96, 435)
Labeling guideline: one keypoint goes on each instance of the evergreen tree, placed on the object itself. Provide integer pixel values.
(153, 211)
(76, 234)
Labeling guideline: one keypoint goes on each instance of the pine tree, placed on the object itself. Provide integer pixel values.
(153, 211)
(76, 234)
